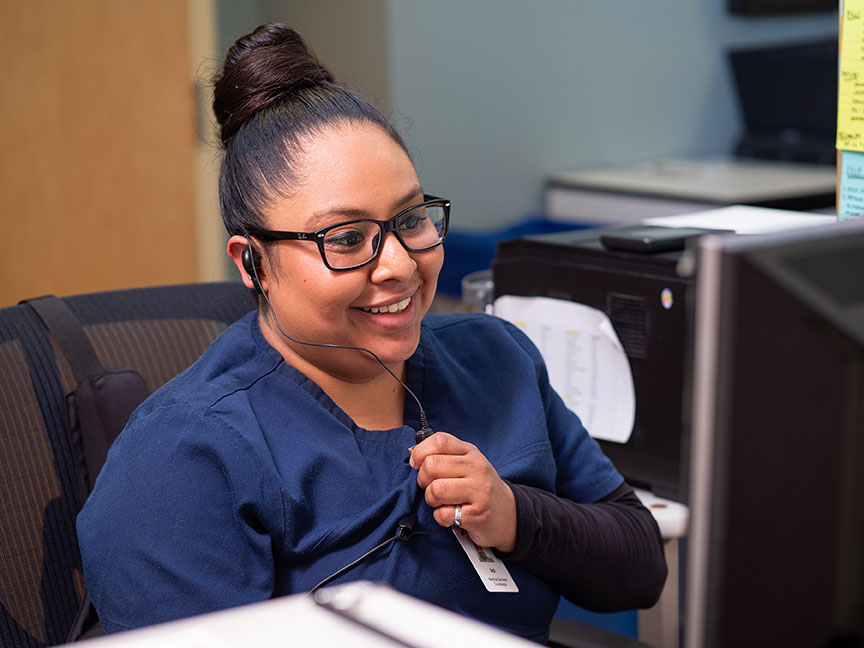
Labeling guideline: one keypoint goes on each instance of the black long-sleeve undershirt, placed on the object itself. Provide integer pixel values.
(605, 556)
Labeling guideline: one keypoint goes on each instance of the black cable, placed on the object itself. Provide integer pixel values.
(351, 565)
(404, 531)
(406, 524)
(424, 432)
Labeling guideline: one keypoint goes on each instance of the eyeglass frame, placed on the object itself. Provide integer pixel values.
(386, 226)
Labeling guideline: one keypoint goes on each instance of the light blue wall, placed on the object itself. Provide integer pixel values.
(494, 95)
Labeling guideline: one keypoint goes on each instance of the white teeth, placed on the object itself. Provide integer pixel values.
(392, 308)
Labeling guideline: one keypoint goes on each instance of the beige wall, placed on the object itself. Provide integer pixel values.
(98, 146)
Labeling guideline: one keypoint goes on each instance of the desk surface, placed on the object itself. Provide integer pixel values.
(358, 615)
(718, 180)
(672, 517)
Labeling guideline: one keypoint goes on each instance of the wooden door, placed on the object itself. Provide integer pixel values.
(98, 146)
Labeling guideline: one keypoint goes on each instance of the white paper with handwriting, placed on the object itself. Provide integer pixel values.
(586, 363)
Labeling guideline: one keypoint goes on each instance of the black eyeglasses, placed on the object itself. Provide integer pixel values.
(352, 244)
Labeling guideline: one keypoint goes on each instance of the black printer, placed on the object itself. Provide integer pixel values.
(632, 277)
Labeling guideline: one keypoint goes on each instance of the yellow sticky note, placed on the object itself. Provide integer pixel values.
(850, 91)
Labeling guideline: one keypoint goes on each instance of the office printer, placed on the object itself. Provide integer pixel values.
(647, 303)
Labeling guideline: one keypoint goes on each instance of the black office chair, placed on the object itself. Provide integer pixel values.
(157, 332)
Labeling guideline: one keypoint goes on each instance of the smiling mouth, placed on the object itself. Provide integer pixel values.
(398, 307)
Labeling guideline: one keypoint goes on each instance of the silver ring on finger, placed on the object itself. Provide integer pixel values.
(457, 519)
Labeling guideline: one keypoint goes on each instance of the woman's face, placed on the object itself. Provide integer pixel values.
(347, 172)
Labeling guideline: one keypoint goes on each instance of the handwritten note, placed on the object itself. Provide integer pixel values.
(850, 91)
(586, 363)
(851, 201)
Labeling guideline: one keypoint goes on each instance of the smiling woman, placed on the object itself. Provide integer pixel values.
(349, 172)
(282, 455)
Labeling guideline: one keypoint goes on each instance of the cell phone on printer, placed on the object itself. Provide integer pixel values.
(649, 239)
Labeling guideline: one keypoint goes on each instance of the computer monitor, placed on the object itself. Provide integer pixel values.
(788, 99)
(771, 7)
(776, 543)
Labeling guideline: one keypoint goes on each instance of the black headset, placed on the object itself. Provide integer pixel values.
(248, 261)
(247, 258)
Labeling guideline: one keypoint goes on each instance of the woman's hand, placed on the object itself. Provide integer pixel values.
(453, 473)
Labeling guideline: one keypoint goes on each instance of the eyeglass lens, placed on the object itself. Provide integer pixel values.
(356, 243)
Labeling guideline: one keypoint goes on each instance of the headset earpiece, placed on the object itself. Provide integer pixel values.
(249, 266)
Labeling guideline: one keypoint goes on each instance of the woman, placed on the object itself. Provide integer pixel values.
(282, 456)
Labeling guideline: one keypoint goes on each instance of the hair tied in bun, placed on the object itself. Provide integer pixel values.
(271, 62)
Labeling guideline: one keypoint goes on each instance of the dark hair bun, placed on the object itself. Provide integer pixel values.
(269, 63)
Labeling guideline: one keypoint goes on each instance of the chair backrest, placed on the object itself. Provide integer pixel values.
(156, 331)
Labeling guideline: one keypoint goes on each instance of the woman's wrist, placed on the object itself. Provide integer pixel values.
(509, 520)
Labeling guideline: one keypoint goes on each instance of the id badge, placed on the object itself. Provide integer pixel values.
(490, 568)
